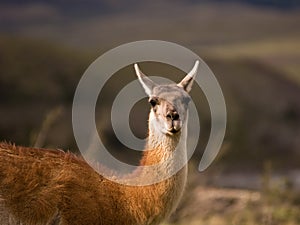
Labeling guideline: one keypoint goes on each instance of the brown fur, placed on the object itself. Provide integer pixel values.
(38, 184)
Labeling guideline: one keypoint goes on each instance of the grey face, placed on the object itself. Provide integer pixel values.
(169, 103)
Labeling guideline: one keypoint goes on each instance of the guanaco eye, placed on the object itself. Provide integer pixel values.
(153, 102)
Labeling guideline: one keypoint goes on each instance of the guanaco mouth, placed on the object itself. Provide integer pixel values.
(173, 130)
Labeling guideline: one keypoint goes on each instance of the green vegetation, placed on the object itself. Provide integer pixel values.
(35, 77)
(30, 66)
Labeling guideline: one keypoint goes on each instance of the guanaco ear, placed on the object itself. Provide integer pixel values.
(187, 81)
(147, 84)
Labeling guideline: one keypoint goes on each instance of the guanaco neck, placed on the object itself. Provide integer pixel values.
(159, 147)
(166, 153)
(160, 199)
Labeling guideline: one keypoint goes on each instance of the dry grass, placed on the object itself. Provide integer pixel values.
(211, 206)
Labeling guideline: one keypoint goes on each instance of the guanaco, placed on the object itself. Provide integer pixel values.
(44, 186)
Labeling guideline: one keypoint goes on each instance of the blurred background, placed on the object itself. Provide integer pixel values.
(252, 46)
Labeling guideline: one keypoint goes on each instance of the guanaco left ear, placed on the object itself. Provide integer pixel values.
(147, 84)
(187, 81)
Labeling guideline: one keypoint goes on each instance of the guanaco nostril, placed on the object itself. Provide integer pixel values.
(173, 116)
(176, 116)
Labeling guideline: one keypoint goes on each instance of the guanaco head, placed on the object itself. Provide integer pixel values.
(169, 102)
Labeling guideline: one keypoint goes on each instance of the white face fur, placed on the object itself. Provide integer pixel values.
(168, 109)
(169, 103)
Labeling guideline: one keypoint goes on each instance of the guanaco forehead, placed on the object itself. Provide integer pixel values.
(172, 94)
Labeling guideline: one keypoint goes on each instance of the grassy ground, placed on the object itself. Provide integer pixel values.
(211, 206)
(271, 204)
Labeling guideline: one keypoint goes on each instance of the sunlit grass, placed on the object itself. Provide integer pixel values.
(262, 48)
(281, 53)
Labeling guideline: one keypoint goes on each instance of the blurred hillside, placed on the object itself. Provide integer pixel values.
(36, 76)
(253, 47)
(263, 105)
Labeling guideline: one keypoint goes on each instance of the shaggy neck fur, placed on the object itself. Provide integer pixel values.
(158, 200)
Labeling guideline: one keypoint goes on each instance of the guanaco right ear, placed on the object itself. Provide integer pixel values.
(187, 81)
(147, 84)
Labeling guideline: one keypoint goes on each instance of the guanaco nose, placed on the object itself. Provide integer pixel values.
(172, 115)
